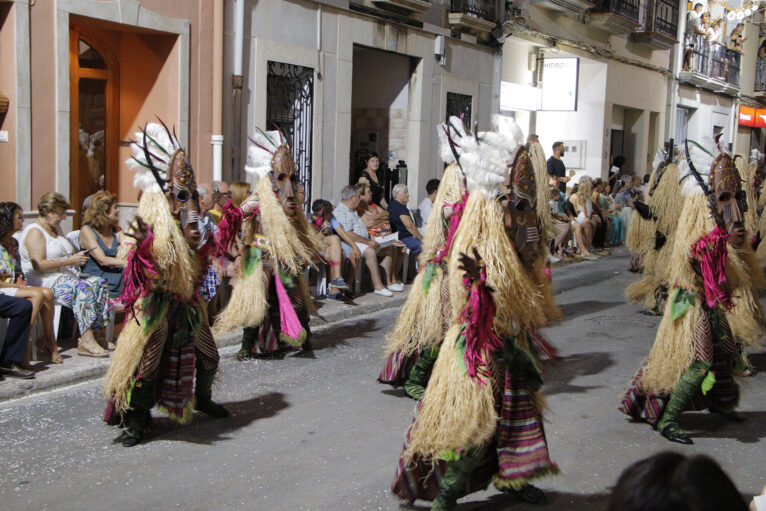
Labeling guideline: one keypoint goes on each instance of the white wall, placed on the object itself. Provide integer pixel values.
(289, 31)
(587, 123)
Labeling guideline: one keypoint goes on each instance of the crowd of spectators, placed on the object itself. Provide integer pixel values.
(593, 215)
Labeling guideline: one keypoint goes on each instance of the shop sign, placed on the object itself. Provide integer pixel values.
(760, 118)
(746, 116)
(560, 84)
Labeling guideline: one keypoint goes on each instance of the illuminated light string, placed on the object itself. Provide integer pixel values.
(738, 13)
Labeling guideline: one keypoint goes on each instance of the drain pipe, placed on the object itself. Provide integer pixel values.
(236, 84)
(216, 139)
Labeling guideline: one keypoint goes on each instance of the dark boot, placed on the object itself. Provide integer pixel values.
(687, 386)
(455, 479)
(415, 385)
(527, 493)
(249, 336)
(203, 391)
(137, 419)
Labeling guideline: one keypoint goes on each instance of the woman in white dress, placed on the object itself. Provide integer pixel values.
(48, 259)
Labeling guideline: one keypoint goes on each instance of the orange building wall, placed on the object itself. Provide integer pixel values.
(42, 29)
(142, 71)
(8, 89)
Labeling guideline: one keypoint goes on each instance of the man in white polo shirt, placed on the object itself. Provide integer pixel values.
(356, 239)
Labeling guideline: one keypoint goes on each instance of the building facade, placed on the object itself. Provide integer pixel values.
(81, 76)
(631, 92)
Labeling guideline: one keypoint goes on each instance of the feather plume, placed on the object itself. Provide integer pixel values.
(150, 147)
(702, 156)
(259, 154)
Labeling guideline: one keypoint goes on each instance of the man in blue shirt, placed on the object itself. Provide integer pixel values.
(401, 219)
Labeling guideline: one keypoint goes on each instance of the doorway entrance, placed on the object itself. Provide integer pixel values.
(94, 118)
(380, 112)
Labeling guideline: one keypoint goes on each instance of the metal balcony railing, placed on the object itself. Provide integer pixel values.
(760, 75)
(715, 60)
(626, 8)
(483, 9)
(660, 16)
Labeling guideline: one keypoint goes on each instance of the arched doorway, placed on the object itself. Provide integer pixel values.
(94, 118)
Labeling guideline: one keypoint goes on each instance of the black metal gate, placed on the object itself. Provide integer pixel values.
(459, 105)
(290, 107)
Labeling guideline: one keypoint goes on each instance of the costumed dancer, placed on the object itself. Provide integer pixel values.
(661, 211)
(270, 297)
(480, 418)
(426, 314)
(166, 343)
(691, 363)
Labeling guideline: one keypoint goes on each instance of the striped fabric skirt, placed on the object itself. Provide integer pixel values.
(397, 368)
(88, 298)
(723, 396)
(519, 453)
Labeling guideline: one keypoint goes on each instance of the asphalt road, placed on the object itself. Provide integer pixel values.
(321, 434)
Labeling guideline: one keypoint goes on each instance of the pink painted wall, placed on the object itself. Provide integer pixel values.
(8, 89)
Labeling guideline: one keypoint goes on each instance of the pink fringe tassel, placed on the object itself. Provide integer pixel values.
(228, 228)
(480, 338)
(454, 221)
(710, 251)
(138, 271)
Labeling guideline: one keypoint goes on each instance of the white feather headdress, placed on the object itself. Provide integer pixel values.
(153, 149)
(261, 151)
(454, 130)
(485, 161)
(702, 157)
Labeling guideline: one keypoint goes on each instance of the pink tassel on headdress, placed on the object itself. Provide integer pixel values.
(454, 221)
(479, 315)
(710, 252)
(140, 268)
(228, 228)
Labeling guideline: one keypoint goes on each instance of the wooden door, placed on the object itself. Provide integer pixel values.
(94, 118)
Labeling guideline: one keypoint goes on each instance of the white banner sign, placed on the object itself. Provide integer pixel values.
(560, 84)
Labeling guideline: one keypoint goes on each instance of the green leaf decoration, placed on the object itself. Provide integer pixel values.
(708, 382)
(449, 455)
(253, 257)
(428, 275)
(460, 348)
(682, 302)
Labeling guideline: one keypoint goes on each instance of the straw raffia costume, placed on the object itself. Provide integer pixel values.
(691, 363)
(166, 342)
(661, 212)
(270, 297)
(480, 418)
(426, 314)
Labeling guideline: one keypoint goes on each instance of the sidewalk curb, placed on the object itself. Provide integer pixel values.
(14, 389)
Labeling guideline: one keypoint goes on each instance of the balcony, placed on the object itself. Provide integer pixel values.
(759, 88)
(474, 16)
(404, 6)
(659, 24)
(616, 16)
(573, 7)
(712, 66)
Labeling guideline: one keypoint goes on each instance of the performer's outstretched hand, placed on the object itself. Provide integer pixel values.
(470, 265)
(138, 230)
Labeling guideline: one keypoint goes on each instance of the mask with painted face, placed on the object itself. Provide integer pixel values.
(729, 198)
(521, 208)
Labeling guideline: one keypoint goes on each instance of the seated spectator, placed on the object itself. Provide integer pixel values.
(357, 242)
(240, 190)
(561, 222)
(432, 186)
(12, 282)
(670, 481)
(322, 220)
(401, 219)
(19, 311)
(611, 211)
(99, 234)
(376, 219)
(582, 205)
(48, 259)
